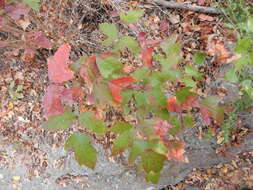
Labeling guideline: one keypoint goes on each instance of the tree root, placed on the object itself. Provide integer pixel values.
(184, 6)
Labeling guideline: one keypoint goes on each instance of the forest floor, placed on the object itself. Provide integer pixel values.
(21, 117)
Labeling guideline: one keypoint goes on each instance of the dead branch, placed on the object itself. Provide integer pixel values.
(184, 6)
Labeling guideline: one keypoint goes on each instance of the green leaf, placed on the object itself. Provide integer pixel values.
(162, 113)
(160, 148)
(141, 99)
(153, 177)
(184, 93)
(127, 42)
(152, 161)
(170, 47)
(231, 75)
(127, 95)
(247, 85)
(174, 121)
(250, 55)
(60, 122)
(198, 57)
(85, 154)
(193, 71)
(138, 148)
(120, 127)
(156, 97)
(132, 15)
(243, 45)
(141, 73)
(242, 62)
(108, 65)
(211, 101)
(34, 4)
(189, 82)
(122, 142)
(188, 120)
(90, 122)
(250, 24)
(110, 30)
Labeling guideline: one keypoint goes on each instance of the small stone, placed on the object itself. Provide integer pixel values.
(16, 178)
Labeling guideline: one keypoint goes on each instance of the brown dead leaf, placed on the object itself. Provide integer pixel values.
(216, 48)
(204, 17)
(174, 19)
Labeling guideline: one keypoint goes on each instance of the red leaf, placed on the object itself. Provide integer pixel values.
(164, 26)
(133, 27)
(147, 58)
(116, 85)
(52, 104)
(152, 42)
(114, 14)
(16, 10)
(2, 4)
(58, 70)
(38, 39)
(162, 127)
(173, 105)
(72, 94)
(141, 37)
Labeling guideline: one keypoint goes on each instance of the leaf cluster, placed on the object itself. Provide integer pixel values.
(159, 114)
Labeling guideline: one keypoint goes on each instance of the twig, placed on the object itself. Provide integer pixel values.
(184, 6)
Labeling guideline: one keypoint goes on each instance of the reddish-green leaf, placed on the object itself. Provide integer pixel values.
(176, 151)
(85, 154)
(206, 114)
(58, 69)
(183, 94)
(52, 104)
(107, 66)
(116, 85)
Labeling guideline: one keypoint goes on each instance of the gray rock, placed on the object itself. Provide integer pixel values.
(108, 174)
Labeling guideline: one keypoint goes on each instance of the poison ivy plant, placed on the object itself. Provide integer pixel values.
(101, 81)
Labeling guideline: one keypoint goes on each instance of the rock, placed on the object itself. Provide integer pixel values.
(110, 175)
